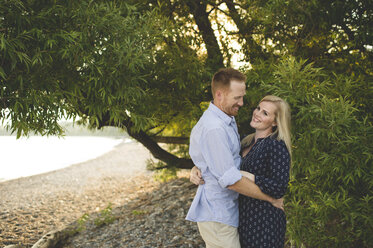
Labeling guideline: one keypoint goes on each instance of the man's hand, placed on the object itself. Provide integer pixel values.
(278, 203)
(196, 176)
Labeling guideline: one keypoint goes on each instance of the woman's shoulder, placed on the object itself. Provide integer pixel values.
(247, 141)
(272, 142)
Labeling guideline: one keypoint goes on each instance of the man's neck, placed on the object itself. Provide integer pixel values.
(221, 109)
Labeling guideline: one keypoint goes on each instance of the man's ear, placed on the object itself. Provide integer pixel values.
(218, 95)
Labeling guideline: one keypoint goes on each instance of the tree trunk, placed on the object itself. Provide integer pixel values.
(246, 29)
(201, 17)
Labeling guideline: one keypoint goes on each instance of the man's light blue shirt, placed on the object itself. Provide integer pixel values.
(215, 150)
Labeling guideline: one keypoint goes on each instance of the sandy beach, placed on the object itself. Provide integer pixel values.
(33, 206)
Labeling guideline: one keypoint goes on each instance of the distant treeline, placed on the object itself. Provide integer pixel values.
(72, 129)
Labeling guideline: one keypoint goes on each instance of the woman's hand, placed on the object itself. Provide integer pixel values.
(196, 176)
(250, 176)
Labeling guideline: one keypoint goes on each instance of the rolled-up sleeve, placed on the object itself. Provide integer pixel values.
(276, 184)
(219, 158)
(230, 177)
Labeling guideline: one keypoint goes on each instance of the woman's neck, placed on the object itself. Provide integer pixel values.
(262, 134)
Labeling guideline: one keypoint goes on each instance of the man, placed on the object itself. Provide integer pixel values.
(214, 149)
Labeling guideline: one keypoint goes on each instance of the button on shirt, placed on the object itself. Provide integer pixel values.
(214, 149)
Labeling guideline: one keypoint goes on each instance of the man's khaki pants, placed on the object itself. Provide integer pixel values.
(219, 235)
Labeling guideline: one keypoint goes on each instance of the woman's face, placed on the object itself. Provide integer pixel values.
(264, 117)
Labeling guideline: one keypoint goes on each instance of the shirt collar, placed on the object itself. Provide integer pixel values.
(226, 118)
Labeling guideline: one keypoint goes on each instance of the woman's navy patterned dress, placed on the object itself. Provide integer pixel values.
(261, 224)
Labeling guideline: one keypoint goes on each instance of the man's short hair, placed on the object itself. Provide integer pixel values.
(223, 77)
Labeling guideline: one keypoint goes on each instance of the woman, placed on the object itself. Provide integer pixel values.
(265, 161)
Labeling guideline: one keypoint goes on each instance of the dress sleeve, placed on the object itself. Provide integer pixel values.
(276, 180)
(219, 158)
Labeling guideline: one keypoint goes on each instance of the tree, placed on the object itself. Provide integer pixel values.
(32, 66)
(104, 62)
(80, 63)
(145, 66)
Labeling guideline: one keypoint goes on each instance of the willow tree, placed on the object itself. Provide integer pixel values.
(145, 66)
(105, 62)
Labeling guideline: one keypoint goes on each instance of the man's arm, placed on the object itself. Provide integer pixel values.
(243, 186)
(250, 189)
(219, 157)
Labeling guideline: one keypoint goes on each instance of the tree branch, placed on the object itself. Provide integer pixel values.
(151, 143)
(170, 139)
(159, 153)
(246, 30)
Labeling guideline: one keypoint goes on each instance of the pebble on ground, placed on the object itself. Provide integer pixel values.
(153, 215)
(143, 212)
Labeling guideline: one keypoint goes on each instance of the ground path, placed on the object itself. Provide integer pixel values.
(33, 206)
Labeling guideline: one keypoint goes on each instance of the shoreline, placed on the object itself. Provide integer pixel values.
(39, 155)
(32, 206)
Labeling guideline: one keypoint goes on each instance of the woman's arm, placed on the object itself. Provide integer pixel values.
(276, 182)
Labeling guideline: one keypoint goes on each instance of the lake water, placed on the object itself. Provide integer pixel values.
(35, 155)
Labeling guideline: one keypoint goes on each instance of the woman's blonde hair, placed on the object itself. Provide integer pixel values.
(282, 119)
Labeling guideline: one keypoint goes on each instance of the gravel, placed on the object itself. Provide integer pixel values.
(112, 201)
(155, 218)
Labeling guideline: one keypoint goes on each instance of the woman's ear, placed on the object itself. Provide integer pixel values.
(274, 128)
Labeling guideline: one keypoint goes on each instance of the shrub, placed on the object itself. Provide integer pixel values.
(330, 201)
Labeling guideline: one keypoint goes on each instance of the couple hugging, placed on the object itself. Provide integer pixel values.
(241, 183)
